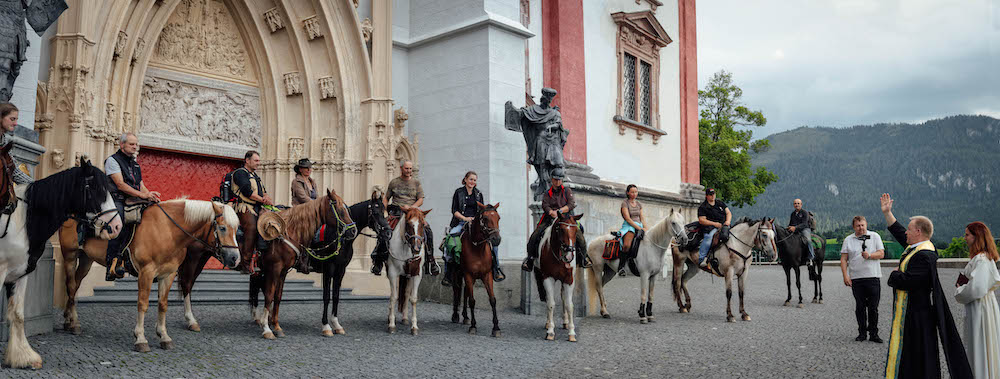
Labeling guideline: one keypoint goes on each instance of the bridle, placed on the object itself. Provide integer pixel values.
(93, 221)
(417, 239)
(374, 224)
(757, 241)
(568, 250)
(343, 228)
(484, 228)
(217, 228)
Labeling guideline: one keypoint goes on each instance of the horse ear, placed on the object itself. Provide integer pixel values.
(481, 206)
(578, 217)
(375, 196)
(330, 194)
(426, 212)
(497, 206)
(84, 162)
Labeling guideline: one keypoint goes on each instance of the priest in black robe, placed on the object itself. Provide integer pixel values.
(920, 310)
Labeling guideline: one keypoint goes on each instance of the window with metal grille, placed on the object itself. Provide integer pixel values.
(629, 87)
(645, 97)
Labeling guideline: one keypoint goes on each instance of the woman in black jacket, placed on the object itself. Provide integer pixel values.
(463, 209)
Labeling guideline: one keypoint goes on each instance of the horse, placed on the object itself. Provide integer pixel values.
(302, 222)
(476, 262)
(733, 257)
(792, 254)
(557, 262)
(158, 250)
(403, 266)
(81, 192)
(651, 259)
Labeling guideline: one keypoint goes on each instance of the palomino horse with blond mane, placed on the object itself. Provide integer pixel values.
(734, 260)
(651, 259)
(157, 249)
(403, 266)
(301, 223)
(79, 192)
(556, 263)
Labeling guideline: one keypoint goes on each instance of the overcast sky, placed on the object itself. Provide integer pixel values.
(848, 62)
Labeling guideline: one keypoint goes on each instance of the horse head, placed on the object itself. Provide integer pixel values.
(488, 222)
(677, 223)
(94, 201)
(223, 237)
(765, 238)
(339, 218)
(564, 234)
(376, 218)
(413, 230)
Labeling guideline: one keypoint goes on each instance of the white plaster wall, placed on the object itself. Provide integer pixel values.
(457, 86)
(400, 54)
(535, 65)
(26, 84)
(622, 158)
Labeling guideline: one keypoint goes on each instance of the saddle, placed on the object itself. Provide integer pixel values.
(613, 249)
(393, 220)
(133, 210)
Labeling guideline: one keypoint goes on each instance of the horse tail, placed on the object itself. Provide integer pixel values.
(541, 285)
(402, 295)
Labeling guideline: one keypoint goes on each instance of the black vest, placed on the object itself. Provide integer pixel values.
(131, 173)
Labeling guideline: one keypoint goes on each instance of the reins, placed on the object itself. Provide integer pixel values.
(215, 226)
(343, 226)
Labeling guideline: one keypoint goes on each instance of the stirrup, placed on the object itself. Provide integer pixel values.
(498, 275)
(528, 264)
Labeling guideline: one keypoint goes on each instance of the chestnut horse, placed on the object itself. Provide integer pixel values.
(301, 223)
(557, 262)
(403, 265)
(476, 262)
(157, 250)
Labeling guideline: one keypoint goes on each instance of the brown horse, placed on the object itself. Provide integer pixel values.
(557, 262)
(403, 265)
(302, 221)
(157, 250)
(476, 261)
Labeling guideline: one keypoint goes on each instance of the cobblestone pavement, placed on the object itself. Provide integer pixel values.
(780, 342)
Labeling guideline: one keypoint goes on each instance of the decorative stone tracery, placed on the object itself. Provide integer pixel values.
(311, 25)
(274, 20)
(293, 84)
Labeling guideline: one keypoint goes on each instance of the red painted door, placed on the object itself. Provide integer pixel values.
(178, 174)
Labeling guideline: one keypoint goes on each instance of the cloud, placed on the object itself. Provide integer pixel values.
(849, 62)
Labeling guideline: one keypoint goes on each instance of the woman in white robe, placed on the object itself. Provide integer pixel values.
(975, 285)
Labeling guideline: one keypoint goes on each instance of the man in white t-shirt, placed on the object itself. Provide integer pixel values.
(859, 262)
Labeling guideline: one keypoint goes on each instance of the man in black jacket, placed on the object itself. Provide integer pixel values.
(799, 222)
(124, 172)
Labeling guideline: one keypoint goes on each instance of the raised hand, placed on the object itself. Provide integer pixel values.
(886, 201)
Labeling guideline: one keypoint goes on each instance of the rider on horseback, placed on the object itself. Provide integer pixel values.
(464, 208)
(251, 194)
(713, 215)
(799, 222)
(557, 199)
(126, 175)
(8, 119)
(403, 193)
(634, 222)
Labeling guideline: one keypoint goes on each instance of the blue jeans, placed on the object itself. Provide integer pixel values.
(807, 233)
(457, 229)
(706, 243)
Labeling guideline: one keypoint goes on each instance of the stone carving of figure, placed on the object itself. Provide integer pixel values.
(13, 36)
(544, 136)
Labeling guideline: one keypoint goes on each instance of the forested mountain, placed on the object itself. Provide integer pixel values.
(946, 169)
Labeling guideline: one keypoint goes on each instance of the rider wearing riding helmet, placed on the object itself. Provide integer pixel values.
(464, 208)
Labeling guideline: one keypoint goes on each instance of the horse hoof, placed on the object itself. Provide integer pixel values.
(392, 329)
(605, 315)
(643, 320)
(787, 303)
(572, 339)
(454, 319)
(166, 345)
(688, 307)
(66, 326)
(820, 301)
(406, 322)
(141, 347)
(327, 333)
(269, 335)
(340, 331)
(496, 333)
(415, 331)
(800, 306)
(683, 310)
(194, 328)
(465, 321)
(472, 330)
(746, 317)
(279, 333)
(76, 330)
(730, 319)
(650, 319)
(565, 327)
(550, 337)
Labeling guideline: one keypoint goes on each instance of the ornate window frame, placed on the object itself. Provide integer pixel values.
(641, 36)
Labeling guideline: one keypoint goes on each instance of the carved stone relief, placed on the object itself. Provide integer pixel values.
(197, 113)
(140, 46)
(126, 121)
(312, 28)
(329, 149)
(273, 19)
(401, 116)
(327, 88)
(293, 84)
(367, 28)
(109, 117)
(296, 148)
(201, 35)
(58, 158)
(120, 43)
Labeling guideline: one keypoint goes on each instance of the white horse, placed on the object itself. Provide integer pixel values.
(405, 250)
(651, 259)
(80, 192)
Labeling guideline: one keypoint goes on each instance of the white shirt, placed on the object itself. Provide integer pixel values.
(857, 266)
(111, 166)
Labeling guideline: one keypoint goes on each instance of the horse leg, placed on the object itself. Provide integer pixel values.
(470, 298)
(567, 298)
(465, 306)
(338, 280)
(675, 281)
(18, 353)
(278, 332)
(788, 284)
(393, 298)
(815, 299)
(75, 266)
(550, 302)
(269, 289)
(488, 283)
(565, 313)
(649, 298)
(798, 285)
(166, 343)
(643, 290)
(729, 296)
(457, 295)
(740, 282)
(145, 282)
(819, 283)
(327, 331)
(691, 271)
(597, 271)
(188, 273)
(411, 290)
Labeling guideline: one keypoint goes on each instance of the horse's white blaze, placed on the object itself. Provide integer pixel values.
(111, 219)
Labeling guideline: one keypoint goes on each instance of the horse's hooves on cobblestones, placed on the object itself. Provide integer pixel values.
(454, 319)
(800, 306)
(76, 330)
(415, 331)
(787, 303)
(496, 333)
(605, 315)
(465, 321)
(167, 345)
(650, 319)
(746, 317)
(550, 337)
(820, 301)
(327, 333)
(391, 329)
(340, 331)
(643, 320)
(472, 330)
(683, 310)
(279, 333)
(269, 335)
(572, 339)
(730, 319)
(194, 328)
(142, 347)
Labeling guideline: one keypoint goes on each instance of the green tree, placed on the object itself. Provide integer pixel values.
(725, 151)
(957, 249)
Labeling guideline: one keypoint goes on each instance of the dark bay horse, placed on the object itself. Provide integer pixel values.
(476, 262)
(301, 223)
(556, 263)
(793, 254)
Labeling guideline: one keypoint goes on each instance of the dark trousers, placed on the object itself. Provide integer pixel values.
(116, 245)
(866, 296)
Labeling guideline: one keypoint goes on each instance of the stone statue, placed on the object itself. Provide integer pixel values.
(13, 36)
(544, 136)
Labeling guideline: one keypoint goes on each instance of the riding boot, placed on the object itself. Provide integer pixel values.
(431, 266)
(379, 255)
(498, 275)
(581, 251)
(533, 241)
(446, 278)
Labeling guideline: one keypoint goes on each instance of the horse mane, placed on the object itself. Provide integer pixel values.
(359, 213)
(201, 211)
(301, 221)
(745, 220)
(657, 232)
(48, 203)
